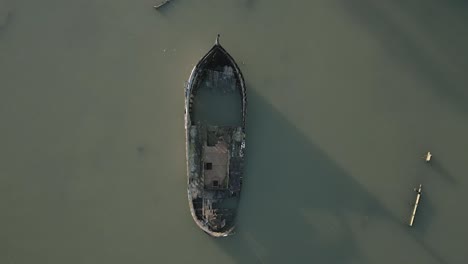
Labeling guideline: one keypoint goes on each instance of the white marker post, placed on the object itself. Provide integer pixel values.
(428, 156)
(418, 197)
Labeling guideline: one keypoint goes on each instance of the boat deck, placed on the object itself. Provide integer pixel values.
(215, 179)
(216, 164)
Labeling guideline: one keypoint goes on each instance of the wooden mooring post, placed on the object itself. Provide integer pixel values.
(428, 156)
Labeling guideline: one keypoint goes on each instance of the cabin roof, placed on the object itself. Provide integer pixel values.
(216, 164)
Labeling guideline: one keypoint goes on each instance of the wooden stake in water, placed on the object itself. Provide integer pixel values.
(418, 198)
(428, 156)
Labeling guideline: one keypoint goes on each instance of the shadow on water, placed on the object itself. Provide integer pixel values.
(442, 171)
(250, 3)
(5, 22)
(425, 212)
(297, 203)
(408, 50)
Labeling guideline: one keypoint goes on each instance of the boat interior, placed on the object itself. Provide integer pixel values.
(218, 95)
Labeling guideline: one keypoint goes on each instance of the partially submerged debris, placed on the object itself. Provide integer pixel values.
(161, 4)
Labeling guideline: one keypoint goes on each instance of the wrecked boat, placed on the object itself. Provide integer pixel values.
(215, 111)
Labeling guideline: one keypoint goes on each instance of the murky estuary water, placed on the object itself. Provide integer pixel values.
(345, 97)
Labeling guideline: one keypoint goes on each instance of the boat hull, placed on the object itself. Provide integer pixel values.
(215, 153)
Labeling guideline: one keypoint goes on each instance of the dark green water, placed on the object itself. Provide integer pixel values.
(344, 99)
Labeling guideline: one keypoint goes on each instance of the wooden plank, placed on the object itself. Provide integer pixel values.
(161, 4)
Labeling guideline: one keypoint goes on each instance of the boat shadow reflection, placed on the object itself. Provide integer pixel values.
(297, 203)
(407, 47)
